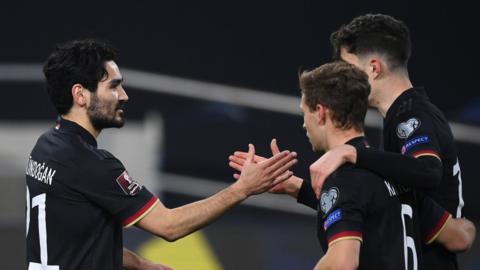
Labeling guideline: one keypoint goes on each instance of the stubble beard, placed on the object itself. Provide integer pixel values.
(98, 114)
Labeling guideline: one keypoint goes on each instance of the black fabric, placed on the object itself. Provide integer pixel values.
(422, 172)
(414, 104)
(85, 201)
(357, 203)
(306, 195)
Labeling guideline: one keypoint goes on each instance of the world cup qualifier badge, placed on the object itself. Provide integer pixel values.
(405, 129)
(128, 185)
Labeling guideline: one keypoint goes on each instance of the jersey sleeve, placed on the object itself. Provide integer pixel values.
(306, 195)
(108, 184)
(415, 160)
(433, 219)
(342, 209)
(417, 135)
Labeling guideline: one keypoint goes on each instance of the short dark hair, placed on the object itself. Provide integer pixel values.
(374, 33)
(78, 61)
(341, 87)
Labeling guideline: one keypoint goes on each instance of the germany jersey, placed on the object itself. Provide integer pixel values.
(390, 220)
(78, 200)
(414, 126)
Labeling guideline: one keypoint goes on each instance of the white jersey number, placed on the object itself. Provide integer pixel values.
(456, 171)
(408, 242)
(40, 202)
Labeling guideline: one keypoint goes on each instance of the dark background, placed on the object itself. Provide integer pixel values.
(258, 44)
(255, 44)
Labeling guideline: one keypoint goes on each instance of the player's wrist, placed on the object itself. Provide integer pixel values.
(294, 185)
(239, 190)
(350, 154)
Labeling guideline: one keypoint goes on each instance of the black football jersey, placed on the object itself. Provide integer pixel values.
(414, 126)
(390, 220)
(78, 200)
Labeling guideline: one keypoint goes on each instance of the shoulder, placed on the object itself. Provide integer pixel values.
(355, 183)
(87, 158)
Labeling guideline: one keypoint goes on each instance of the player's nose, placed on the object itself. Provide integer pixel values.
(123, 94)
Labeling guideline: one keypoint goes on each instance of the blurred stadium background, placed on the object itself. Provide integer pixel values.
(205, 79)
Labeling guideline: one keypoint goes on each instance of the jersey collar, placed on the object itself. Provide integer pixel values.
(409, 93)
(358, 142)
(72, 127)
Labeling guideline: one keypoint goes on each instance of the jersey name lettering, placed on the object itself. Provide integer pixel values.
(395, 190)
(40, 171)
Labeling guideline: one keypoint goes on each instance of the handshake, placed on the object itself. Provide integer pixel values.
(282, 180)
(257, 174)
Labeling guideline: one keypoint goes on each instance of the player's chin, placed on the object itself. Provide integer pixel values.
(119, 121)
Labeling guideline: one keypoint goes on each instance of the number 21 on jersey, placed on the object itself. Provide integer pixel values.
(39, 201)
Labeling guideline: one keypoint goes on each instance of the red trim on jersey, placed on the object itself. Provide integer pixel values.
(426, 153)
(140, 212)
(345, 234)
(438, 227)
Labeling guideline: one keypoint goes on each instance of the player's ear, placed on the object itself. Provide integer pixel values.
(79, 95)
(321, 113)
(375, 68)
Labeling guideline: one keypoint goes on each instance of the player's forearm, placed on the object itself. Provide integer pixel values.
(422, 172)
(132, 261)
(183, 220)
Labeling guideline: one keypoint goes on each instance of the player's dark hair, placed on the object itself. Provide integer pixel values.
(374, 33)
(78, 61)
(342, 88)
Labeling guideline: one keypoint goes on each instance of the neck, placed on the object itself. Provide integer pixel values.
(83, 121)
(390, 88)
(338, 137)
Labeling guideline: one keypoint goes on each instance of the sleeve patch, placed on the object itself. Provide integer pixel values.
(414, 142)
(128, 185)
(328, 199)
(405, 129)
(333, 218)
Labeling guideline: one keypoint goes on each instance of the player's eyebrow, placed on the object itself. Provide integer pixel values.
(115, 82)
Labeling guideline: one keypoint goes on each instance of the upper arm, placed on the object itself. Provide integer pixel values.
(342, 209)
(341, 255)
(107, 184)
(433, 219)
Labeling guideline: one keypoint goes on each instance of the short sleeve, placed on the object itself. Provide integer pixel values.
(342, 209)
(107, 183)
(433, 219)
(416, 134)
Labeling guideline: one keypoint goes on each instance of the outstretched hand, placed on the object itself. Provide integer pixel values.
(259, 176)
(290, 186)
(237, 160)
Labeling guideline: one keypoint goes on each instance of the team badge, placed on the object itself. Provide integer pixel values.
(328, 199)
(128, 185)
(405, 129)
